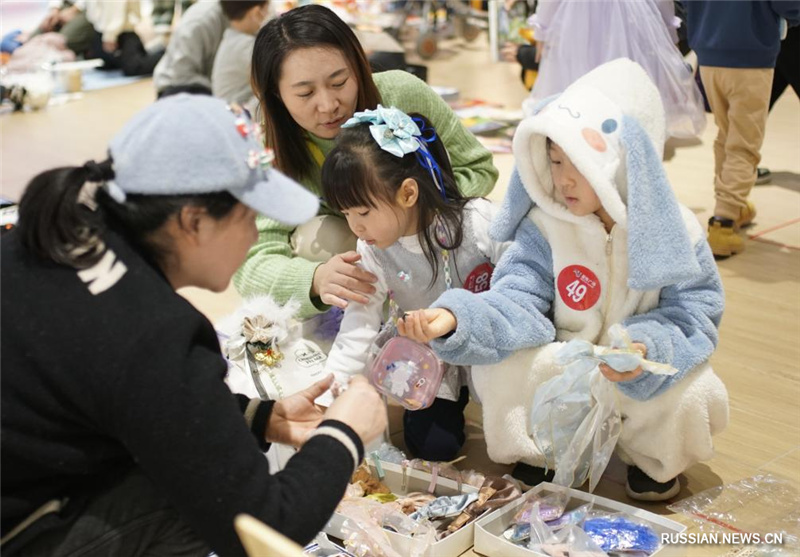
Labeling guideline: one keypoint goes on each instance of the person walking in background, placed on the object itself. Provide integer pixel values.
(737, 44)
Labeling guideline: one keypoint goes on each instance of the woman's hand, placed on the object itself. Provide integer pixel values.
(360, 407)
(340, 281)
(295, 417)
(425, 325)
(616, 376)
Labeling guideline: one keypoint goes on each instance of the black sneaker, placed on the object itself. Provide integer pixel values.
(763, 176)
(532, 475)
(642, 487)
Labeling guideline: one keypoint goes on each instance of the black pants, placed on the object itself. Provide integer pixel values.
(787, 67)
(130, 56)
(437, 432)
(130, 519)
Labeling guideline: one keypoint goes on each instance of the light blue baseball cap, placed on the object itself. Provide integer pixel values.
(195, 144)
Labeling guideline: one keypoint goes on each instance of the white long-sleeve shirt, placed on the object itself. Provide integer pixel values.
(362, 322)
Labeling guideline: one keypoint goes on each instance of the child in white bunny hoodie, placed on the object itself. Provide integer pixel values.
(599, 239)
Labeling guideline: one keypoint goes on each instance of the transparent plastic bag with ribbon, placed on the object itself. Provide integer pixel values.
(575, 420)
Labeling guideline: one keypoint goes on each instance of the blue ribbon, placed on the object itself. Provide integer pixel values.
(399, 134)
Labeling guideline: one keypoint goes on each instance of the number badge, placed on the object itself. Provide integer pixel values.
(578, 287)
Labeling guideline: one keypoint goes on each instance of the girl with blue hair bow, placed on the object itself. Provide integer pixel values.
(391, 178)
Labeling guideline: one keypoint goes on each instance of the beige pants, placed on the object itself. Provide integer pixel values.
(739, 98)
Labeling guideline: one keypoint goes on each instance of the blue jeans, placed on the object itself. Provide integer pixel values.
(130, 519)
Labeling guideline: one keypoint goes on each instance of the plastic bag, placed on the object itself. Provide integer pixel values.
(621, 533)
(575, 420)
(407, 372)
(763, 504)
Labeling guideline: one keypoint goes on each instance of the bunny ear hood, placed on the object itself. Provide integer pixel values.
(611, 124)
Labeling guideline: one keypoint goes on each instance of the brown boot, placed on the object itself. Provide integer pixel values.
(724, 238)
(746, 215)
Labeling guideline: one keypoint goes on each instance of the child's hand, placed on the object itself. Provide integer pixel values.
(426, 324)
(615, 376)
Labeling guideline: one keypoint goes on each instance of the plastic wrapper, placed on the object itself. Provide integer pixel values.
(575, 421)
(389, 453)
(366, 523)
(571, 542)
(323, 547)
(620, 533)
(761, 504)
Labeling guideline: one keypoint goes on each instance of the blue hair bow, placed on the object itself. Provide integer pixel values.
(393, 129)
(397, 133)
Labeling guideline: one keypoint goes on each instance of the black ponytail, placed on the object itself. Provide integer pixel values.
(63, 215)
(54, 224)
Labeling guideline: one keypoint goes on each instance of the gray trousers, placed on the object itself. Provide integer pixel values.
(130, 519)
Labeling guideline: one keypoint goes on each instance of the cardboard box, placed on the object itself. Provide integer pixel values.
(489, 529)
(416, 480)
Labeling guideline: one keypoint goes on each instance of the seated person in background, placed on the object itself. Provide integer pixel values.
(186, 66)
(105, 30)
(230, 78)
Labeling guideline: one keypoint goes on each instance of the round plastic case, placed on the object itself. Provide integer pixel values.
(407, 372)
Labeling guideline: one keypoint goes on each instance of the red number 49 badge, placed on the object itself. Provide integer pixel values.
(578, 287)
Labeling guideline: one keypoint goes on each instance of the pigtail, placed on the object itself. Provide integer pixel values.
(445, 206)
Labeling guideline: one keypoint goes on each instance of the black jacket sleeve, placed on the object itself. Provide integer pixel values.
(185, 430)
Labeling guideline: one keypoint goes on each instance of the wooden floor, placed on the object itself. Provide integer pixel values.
(759, 352)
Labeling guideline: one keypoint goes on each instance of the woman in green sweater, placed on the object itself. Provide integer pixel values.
(310, 75)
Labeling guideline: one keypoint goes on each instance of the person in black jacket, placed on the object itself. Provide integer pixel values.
(120, 436)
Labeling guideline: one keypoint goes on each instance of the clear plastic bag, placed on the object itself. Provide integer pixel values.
(575, 420)
(763, 504)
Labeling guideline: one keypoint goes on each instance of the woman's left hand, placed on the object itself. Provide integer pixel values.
(295, 417)
(615, 376)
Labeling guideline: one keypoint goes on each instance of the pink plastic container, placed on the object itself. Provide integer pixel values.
(407, 372)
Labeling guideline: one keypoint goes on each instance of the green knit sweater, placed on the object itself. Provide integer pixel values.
(271, 269)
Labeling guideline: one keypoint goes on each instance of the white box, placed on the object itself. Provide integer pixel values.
(489, 529)
(416, 480)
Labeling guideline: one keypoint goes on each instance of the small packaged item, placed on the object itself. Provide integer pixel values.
(407, 372)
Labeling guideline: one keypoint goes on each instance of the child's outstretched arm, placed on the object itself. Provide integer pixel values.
(360, 325)
(682, 331)
(511, 315)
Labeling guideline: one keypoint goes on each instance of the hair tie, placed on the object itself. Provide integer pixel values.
(98, 172)
(103, 174)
